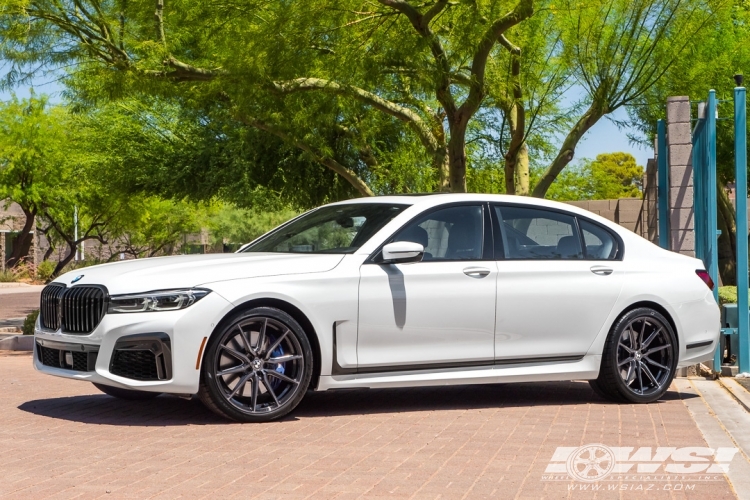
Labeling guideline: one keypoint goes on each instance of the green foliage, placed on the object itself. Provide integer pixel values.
(230, 225)
(29, 322)
(8, 276)
(45, 270)
(727, 295)
(610, 176)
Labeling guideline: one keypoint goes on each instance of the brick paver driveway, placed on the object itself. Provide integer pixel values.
(63, 439)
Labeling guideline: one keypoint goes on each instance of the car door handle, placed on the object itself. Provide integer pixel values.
(476, 272)
(601, 270)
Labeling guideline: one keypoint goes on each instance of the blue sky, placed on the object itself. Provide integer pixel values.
(604, 137)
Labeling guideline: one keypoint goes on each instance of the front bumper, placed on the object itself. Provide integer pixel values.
(126, 344)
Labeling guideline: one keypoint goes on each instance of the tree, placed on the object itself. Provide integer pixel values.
(154, 226)
(610, 176)
(618, 50)
(721, 53)
(228, 224)
(432, 79)
(31, 160)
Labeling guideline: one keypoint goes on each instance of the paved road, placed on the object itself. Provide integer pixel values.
(62, 439)
(16, 303)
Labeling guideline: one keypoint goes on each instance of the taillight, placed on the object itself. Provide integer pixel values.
(702, 274)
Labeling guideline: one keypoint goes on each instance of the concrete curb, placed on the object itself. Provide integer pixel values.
(13, 285)
(737, 391)
(18, 343)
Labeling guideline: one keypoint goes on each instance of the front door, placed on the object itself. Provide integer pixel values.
(438, 312)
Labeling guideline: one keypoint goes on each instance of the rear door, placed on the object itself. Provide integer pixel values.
(558, 278)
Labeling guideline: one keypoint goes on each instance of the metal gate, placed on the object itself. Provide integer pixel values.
(705, 206)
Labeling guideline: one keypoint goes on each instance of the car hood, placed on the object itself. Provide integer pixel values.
(184, 271)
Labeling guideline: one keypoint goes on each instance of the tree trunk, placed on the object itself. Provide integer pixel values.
(442, 165)
(23, 241)
(65, 260)
(457, 157)
(727, 242)
(522, 171)
(567, 150)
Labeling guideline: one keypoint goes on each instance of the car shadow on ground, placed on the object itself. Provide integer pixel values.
(174, 411)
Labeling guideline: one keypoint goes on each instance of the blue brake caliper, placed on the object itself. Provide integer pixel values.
(279, 351)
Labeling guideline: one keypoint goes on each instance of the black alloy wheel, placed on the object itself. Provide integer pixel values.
(639, 359)
(258, 367)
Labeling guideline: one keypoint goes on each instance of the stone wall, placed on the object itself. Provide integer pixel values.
(680, 160)
(630, 213)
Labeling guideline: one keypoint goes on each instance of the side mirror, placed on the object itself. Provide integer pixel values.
(402, 251)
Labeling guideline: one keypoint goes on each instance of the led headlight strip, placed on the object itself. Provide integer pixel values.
(159, 300)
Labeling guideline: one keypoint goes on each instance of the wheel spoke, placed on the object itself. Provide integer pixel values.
(655, 349)
(285, 358)
(254, 397)
(283, 377)
(246, 340)
(629, 360)
(649, 374)
(631, 351)
(275, 344)
(234, 369)
(640, 335)
(651, 338)
(270, 389)
(236, 354)
(240, 385)
(640, 375)
(658, 365)
(629, 373)
(262, 336)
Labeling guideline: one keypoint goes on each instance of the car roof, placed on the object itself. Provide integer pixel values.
(428, 200)
(435, 198)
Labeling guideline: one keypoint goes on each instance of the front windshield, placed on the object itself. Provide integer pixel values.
(331, 229)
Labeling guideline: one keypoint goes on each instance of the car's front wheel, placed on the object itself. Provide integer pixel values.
(639, 359)
(128, 394)
(257, 367)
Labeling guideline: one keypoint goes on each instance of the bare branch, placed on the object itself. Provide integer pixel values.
(332, 164)
(402, 113)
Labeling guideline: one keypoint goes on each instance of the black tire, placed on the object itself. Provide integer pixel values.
(604, 395)
(243, 377)
(129, 394)
(639, 360)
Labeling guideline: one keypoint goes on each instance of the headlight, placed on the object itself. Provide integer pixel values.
(160, 300)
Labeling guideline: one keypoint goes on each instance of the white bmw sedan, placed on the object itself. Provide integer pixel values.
(387, 292)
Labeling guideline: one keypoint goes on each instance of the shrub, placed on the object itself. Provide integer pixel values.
(44, 270)
(727, 295)
(28, 323)
(7, 276)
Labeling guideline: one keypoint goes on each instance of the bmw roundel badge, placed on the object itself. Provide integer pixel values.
(77, 279)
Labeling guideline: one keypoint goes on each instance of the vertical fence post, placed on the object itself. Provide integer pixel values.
(712, 260)
(740, 173)
(662, 183)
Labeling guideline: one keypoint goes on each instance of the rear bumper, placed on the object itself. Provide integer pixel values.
(699, 330)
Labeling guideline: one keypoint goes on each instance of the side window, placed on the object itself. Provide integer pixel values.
(533, 233)
(453, 233)
(600, 244)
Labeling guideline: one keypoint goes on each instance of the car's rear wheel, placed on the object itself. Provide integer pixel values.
(257, 367)
(639, 359)
(129, 394)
